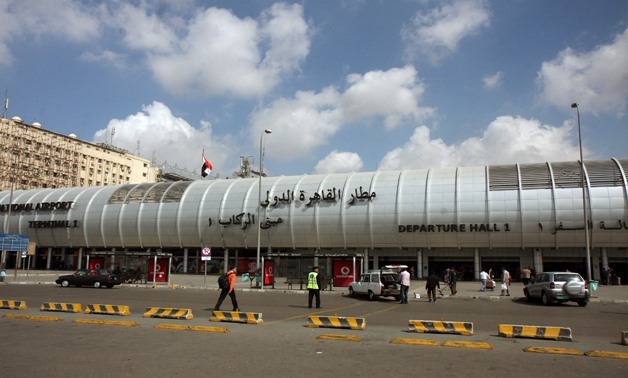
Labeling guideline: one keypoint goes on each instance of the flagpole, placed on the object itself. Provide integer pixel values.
(259, 210)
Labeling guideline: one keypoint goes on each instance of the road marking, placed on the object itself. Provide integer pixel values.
(31, 317)
(339, 337)
(572, 352)
(467, 344)
(107, 322)
(180, 327)
(313, 313)
(602, 353)
(415, 342)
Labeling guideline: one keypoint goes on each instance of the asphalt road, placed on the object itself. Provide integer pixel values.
(284, 347)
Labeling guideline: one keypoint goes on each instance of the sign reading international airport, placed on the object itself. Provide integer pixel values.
(12, 242)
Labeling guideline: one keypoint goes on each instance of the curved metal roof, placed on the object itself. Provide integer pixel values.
(519, 205)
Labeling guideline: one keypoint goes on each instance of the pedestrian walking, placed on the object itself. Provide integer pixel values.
(431, 286)
(484, 278)
(526, 273)
(404, 280)
(505, 282)
(314, 284)
(453, 279)
(229, 290)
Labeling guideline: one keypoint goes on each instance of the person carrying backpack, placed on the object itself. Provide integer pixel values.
(229, 290)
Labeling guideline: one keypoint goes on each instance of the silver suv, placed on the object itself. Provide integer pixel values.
(558, 287)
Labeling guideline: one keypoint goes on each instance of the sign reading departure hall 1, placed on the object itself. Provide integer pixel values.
(471, 227)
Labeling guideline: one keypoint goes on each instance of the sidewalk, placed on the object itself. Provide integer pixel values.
(466, 289)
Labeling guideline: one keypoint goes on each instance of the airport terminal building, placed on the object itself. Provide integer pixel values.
(471, 218)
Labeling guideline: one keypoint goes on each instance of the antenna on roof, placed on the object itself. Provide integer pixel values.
(6, 103)
(113, 132)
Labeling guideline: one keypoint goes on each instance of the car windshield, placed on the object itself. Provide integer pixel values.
(567, 277)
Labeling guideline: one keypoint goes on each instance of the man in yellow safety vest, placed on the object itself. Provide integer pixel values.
(314, 287)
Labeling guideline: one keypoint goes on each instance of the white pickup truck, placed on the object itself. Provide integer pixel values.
(378, 283)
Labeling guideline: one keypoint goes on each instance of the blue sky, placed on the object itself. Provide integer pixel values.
(345, 86)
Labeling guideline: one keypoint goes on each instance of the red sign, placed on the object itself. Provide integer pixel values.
(269, 272)
(160, 271)
(343, 273)
(97, 263)
(246, 266)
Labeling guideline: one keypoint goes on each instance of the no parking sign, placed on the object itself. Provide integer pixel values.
(206, 253)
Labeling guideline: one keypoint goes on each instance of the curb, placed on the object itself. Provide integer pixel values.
(12, 305)
(236, 317)
(61, 307)
(535, 332)
(169, 313)
(435, 326)
(107, 309)
(336, 322)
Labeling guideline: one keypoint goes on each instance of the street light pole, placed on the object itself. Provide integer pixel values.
(259, 203)
(584, 200)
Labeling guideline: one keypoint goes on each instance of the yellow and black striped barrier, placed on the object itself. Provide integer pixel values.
(436, 326)
(335, 322)
(12, 305)
(61, 307)
(236, 317)
(107, 309)
(169, 313)
(535, 332)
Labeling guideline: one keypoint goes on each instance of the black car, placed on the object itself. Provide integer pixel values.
(89, 277)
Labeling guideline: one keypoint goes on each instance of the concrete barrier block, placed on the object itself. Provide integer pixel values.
(435, 326)
(61, 307)
(624, 337)
(535, 332)
(105, 309)
(12, 305)
(336, 322)
(236, 317)
(169, 313)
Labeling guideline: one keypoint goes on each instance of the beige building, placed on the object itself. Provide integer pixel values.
(32, 157)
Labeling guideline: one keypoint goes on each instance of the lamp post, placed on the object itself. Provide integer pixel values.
(584, 200)
(259, 202)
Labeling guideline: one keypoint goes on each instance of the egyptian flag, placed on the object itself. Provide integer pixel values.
(207, 166)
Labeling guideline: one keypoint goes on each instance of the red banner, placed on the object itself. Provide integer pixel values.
(269, 272)
(343, 273)
(160, 271)
(97, 263)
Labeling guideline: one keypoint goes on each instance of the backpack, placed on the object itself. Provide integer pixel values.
(223, 282)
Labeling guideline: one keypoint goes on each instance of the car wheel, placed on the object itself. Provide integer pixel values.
(372, 295)
(397, 298)
(96, 284)
(545, 299)
(528, 297)
(109, 286)
(582, 303)
(65, 283)
(351, 292)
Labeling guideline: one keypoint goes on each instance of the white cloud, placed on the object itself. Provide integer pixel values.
(392, 94)
(506, 140)
(299, 125)
(64, 19)
(310, 119)
(339, 162)
(596, 80)
(222, 54)
(107, 57)
(172, 139)
(493, 81)
(437, 33)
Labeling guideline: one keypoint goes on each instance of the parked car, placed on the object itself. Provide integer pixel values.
(378, 283)
(558, 287)
(89, 277)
